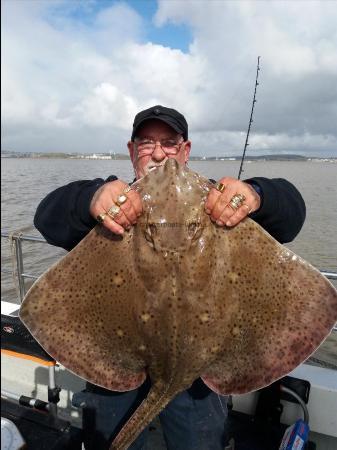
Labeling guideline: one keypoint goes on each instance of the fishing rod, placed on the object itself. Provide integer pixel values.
(251, 116)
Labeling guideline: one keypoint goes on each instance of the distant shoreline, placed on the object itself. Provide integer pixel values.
(121, 156)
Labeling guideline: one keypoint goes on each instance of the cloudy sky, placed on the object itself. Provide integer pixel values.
(74, 73)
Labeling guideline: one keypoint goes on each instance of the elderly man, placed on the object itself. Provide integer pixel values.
(196, 418)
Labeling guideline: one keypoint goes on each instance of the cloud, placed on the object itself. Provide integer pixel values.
(75, 74)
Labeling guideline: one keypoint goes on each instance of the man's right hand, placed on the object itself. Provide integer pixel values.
(106, 196)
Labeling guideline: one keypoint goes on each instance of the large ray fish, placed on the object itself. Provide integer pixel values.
(178, 298)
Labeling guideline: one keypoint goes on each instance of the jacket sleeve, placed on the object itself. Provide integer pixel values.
(282, 211)
(63, 216)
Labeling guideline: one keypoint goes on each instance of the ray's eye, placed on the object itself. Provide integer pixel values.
(152, 229)
(150, 232)
(194, 229)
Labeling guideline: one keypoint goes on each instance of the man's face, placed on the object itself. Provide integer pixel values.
(156, 130)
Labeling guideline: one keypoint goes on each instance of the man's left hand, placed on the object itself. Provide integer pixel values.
(218, 203)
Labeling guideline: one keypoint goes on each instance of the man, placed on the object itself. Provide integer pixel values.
(196, 418)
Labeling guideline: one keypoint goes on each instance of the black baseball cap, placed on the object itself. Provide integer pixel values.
(168, 115)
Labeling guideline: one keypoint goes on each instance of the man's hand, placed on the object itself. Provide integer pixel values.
(106, 196)
(217, 204)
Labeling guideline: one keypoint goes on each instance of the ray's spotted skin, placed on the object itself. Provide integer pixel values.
(178, 298)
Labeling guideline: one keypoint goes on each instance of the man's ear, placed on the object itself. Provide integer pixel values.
(187, 150)
(131, 147)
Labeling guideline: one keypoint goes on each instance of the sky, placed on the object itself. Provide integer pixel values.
(75, 73)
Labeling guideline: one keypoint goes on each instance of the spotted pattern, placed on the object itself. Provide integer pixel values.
(178, 297)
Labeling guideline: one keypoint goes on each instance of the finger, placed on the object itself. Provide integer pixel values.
(132, 208)
(221, 208)
(105, 220)
(120, 219)
(112, 225)
(216, 201)
(136, 201)
(211, 200)
(125, 206)
(129, 212)
(104, 197)
(238, 215)
(214, 194)
(251, 199)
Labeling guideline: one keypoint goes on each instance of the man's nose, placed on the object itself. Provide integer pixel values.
(158, 153)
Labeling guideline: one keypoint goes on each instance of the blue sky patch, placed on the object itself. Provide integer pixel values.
(169, 35)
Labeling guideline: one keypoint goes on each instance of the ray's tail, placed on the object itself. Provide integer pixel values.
(158, 397)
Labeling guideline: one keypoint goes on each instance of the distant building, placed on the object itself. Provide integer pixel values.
(98, 156)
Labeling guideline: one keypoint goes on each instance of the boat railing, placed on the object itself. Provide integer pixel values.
(16, 240)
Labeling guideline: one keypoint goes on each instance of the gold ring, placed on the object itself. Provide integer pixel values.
(127, 190)
(121, 199)
(233, 205)
(101, 217)
(236, 201)
(220, 187)
(113, 211)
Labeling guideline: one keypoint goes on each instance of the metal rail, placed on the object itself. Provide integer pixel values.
(18, 238)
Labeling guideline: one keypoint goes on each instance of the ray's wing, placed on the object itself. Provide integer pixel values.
(277, 309)
(82, 311)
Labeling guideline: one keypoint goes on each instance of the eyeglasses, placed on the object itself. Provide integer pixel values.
(147, 146)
